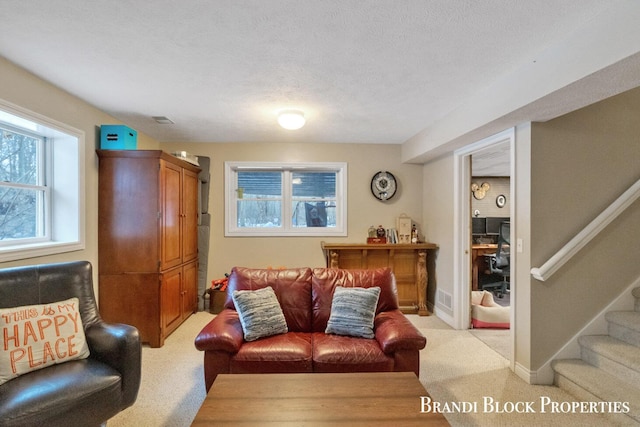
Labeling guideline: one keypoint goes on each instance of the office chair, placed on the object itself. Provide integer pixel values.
(499, 262)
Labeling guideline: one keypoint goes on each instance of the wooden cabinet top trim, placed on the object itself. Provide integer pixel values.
(155, 154)
(378, 246)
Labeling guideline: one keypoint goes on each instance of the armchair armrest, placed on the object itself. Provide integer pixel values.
(118, 346)
(394, 332)
(223, 333)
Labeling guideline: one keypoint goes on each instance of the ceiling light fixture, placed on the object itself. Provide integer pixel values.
(291, 119)
(162, 120)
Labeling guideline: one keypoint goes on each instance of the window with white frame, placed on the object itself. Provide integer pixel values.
(285, 199)
(41, 185)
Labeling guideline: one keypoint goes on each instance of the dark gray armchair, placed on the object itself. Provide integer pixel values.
(500, 262)
(83, 392)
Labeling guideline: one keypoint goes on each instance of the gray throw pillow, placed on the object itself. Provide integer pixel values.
(260, 313)
(353, 311)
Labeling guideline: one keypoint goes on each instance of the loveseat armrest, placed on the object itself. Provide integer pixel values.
(223, 333)
(394, 332)
(118, 346)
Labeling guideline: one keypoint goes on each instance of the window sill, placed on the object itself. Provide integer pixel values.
(14, 253)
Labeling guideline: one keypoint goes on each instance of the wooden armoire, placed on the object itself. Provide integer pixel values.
(147, 241)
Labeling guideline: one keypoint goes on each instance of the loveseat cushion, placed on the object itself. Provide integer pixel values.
(290, 352)
(336, 353)
(325, 280)
(292, 288)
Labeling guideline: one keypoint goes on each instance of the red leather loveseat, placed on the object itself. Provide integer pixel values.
(305, 296)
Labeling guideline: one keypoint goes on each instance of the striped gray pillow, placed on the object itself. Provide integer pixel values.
(353, 311)
(260, 313)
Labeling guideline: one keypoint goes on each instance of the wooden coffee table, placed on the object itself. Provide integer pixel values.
(350, 399)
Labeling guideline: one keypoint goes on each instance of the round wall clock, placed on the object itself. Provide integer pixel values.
(383, 185)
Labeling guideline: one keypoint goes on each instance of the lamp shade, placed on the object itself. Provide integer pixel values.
(291, 119)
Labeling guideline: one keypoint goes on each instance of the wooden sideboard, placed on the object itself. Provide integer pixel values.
(407, 261)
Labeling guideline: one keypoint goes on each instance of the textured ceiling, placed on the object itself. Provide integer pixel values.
(369, 71)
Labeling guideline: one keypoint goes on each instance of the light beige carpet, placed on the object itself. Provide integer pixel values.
(496, 339)
(455, 366)
(172, 388)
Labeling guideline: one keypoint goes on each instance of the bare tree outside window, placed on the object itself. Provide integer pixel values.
(41, 185)
(20, 192)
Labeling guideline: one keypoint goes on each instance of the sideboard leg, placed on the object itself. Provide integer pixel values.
(422, 279)
(333, 259)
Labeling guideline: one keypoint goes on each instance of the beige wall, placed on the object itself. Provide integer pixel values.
(438, 214)
(363, 209)
(28, 91)
(581, 162)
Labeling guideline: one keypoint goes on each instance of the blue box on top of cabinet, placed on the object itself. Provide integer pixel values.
(118, 137)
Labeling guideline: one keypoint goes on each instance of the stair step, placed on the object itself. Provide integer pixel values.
(590, 384)
(625, 326)
(613, 356)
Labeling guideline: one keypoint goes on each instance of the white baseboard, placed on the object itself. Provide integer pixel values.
(528, 376)
(444, 316)
(597, 326)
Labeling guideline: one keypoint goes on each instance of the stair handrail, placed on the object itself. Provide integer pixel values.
(592, 229)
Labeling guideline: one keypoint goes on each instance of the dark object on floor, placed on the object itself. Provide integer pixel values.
(216, 300)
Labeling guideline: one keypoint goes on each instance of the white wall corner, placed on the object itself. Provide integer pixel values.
(444, 316)
(533, 377)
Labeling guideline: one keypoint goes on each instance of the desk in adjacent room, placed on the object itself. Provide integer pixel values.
(478, 261)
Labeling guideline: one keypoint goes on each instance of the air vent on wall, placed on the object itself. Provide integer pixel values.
(444, 299)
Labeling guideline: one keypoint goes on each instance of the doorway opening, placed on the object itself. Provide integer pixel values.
(485, 168)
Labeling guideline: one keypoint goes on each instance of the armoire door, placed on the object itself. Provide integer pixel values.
(171, 182)
(171, 301)
(189, 289)
(190, 215)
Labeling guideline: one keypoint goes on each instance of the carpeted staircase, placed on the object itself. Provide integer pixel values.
(609, 367)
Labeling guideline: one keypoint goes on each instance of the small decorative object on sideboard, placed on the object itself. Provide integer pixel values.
(381, 236)
(414, 234)
(403, 223)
